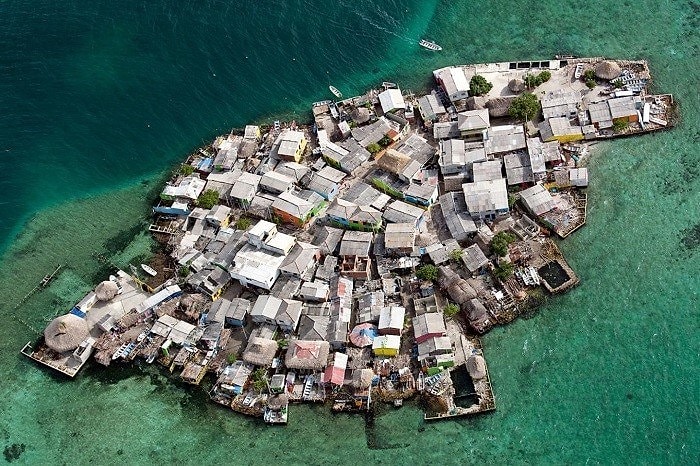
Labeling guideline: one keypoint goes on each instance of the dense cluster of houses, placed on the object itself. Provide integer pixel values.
(305, 262)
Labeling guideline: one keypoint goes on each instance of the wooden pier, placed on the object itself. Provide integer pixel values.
(581, 204)
(153, 228)
(65, 364)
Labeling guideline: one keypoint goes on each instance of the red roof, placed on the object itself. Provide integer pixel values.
(335, 373)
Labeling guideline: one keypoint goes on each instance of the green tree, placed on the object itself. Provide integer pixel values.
(500, 242)
(186, 170)
(618, 83)
(589, 75)
(183, 271)
(231, 358)
(243, 223)
(451, 310)
(531, 81)
(374, 148)
(503, 271)
(544, 76)
(620, 126)
(456, 255)
(260, 380)
(524, 107)
(478, 85)
(427, 272)
(385, 141)
(590, 83)
(208, 199)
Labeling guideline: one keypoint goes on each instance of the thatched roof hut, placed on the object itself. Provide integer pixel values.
(498, 107)
(476, 366)
(446, 276)
(260, 351)
(393, 161)
(361, 115)
(306, 354)
(476, 311)
(516, 85)
(608, 70)
(277, 402)
(106, 290)
(65, 333)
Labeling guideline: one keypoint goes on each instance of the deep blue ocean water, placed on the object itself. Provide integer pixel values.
(99, 100)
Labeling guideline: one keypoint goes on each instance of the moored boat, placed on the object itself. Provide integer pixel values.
(335, 91)
(429, 45)
(149, 270)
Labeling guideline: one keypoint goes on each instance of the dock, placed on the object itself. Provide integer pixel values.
(67, 365)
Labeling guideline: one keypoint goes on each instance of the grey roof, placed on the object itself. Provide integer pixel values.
(314, 291)
(322, 185)
(560, 103)
(548, 151)
(417, 148)
(217, 310)
(420, 191)
(266, 306)
(457, 218)
(439, 253)
(293, 205)
(313, 327)
(371, 133)
(621, 107)
(474, 258)
(334, 152)
(473, 120)
(337, 332)
(238, 309)
(599, 112)
(518, 168)
(399, 235)
(286, 287)
(502, 139)
(486, 197)
(489, 170)
(457, 157)
(558, 127)
(327, 239)
(293, 170)
(435, 345)
(430, 106)
(276, 182)
(364, 194)
(401, 212)
(446, 130)
(537, 199)
(299, 258)
(355, 157)
(356, 243)
(578, 176)
(429, 323)
(289, 313)
(331, 174)
(326, 271)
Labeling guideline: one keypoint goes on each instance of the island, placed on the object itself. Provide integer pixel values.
(355, 260)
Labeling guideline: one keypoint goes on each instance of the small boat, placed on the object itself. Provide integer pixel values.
(149, 270)
(429, 45)
(336, 92)
(578, 72)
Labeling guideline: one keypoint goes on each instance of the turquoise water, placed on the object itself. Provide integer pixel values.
(100, 99)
